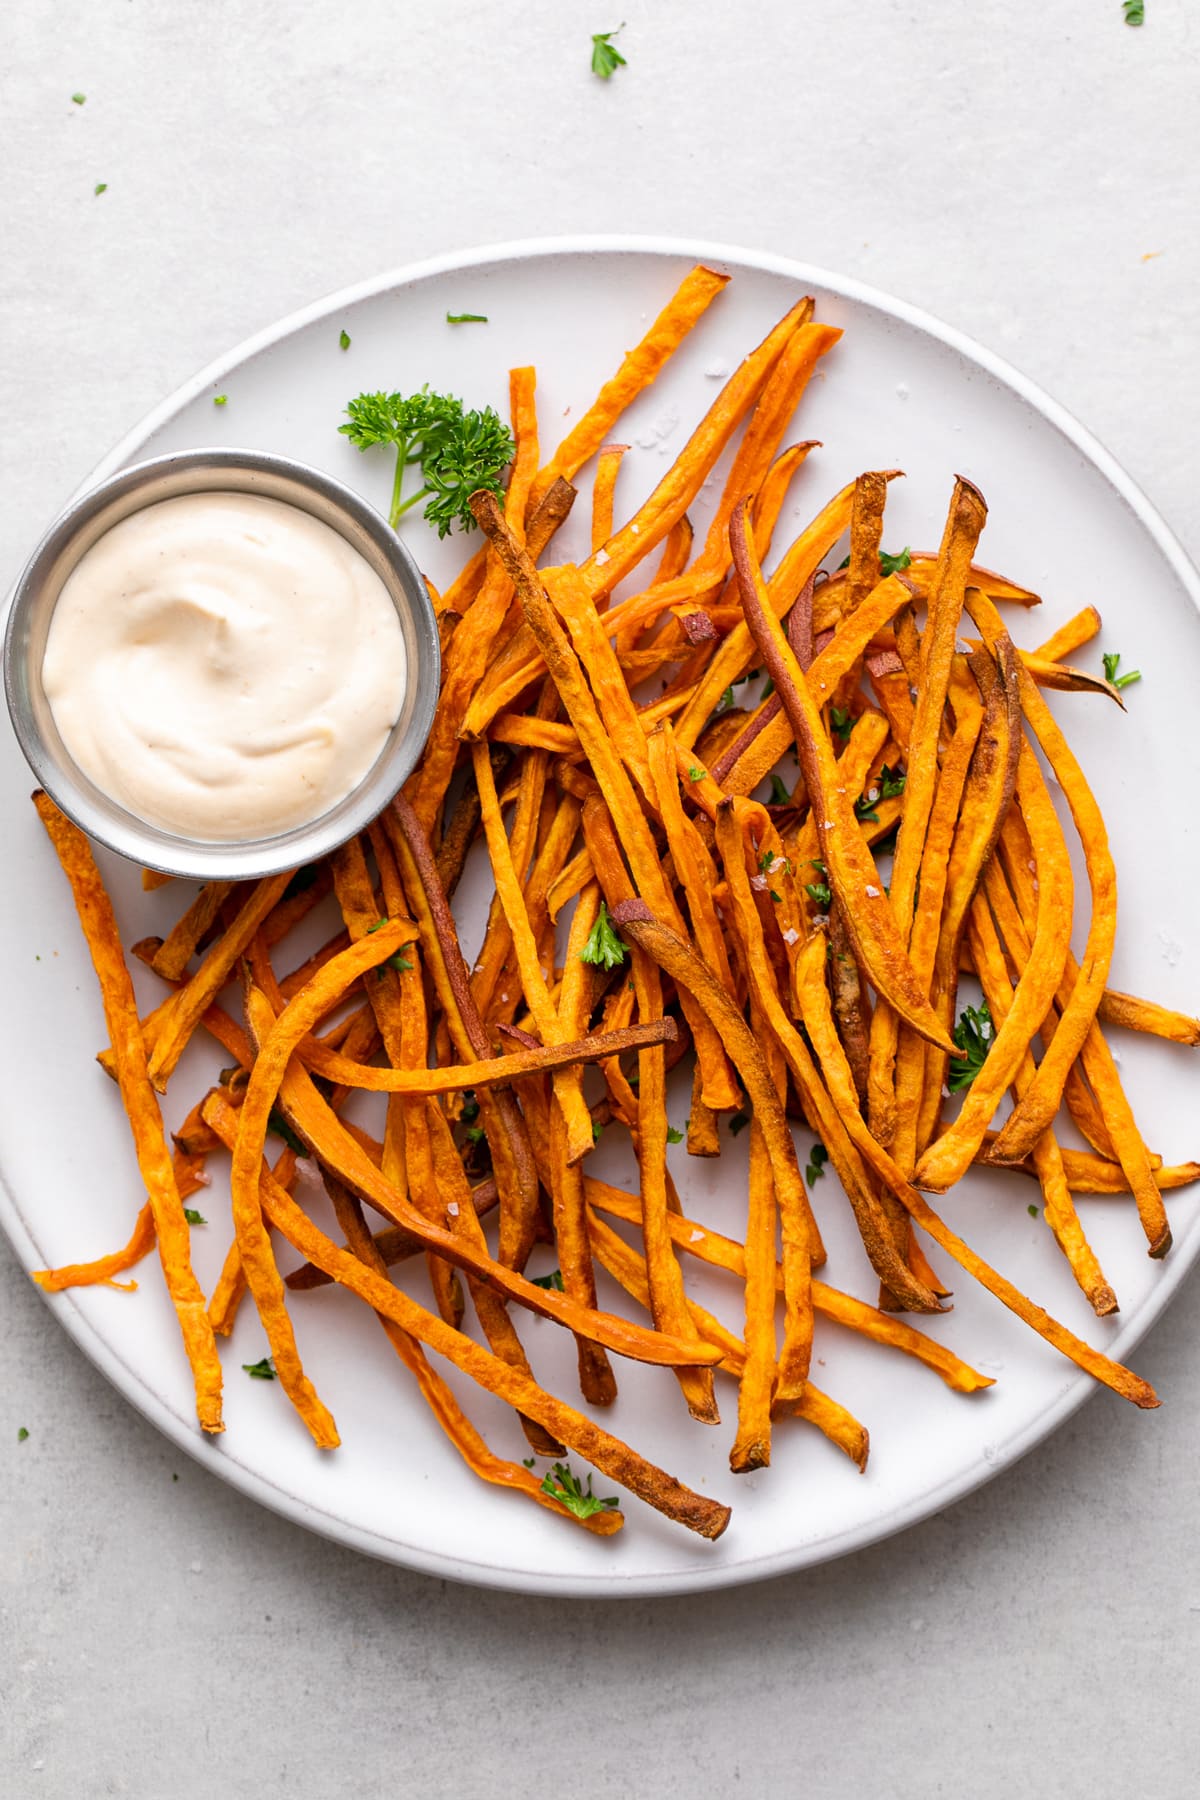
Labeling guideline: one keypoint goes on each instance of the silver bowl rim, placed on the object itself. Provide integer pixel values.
(203, 859)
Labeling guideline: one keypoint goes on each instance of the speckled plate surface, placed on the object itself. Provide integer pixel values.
(900, 390)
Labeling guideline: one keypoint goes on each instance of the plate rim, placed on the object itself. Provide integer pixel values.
(609, 1584)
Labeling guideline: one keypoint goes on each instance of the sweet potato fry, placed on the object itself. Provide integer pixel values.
(1040, 1102)
(608, 467)
(676, 959)
(682, 312)
(1146, 1015)
(852, 874)
(567, 1090)
(137, 1094)
(104, 1270)
(669, 1496)
(179, 946)
(948, 1157)
(964, 523)
(181, 1014)
(1077, 631)
(310, 1117)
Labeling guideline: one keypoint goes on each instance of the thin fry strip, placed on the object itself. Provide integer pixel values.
(627, 1267)
(512, 1156)
(911, 1060)
(1146, 1015)
(675, 957)
(1090, 1174)
(1119, 1127)
(567, 1090)
(1059, 1208)
(721, 1252)
(492, 1071)
(179, 946)
(473, 643)
(1076, 632)
(789, 581)
(177, 1020)
(1102, 1368)
(597, 1383)
(310, 1116)
(608, 467)
(964, 523)
(949, 1156)
(436, 1391)
(141, 1106)
(990, 785)
(831, 1104)
(607, 1453)
(645, 1115)
(1034, 1112)
(669, 502)
(852, 874)
(678, 487)
(104, 1270)
(568, 677)
(694, 295)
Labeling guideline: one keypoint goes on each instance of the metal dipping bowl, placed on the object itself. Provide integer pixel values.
(165, 478)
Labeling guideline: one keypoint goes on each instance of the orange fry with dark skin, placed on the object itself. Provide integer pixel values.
(310, 1116)
(852, 874)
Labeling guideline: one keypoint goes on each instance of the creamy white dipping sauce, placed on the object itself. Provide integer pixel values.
(224, 665)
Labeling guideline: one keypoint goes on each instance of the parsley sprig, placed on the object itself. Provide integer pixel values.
(603, 946)
(561, 1485)
(974, 1034)
(457, 451)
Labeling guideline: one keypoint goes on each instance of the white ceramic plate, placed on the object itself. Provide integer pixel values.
(900, 390)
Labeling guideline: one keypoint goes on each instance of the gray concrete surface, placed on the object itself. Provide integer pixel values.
(1028, 174)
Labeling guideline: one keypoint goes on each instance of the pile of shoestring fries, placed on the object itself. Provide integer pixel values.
(648, 908)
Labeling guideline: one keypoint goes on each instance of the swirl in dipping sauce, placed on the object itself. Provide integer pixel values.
(224, 665)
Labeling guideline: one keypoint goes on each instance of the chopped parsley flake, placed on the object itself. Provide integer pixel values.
(1112, 662)
(974, 1034)
(818, 1156)
(261, 1371)
(278, 1126)
(606, 58)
